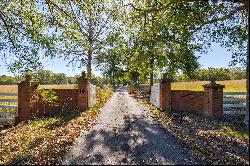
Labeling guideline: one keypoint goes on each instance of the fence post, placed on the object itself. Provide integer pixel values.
(26, 101)
(213, 96)
(165, 94)
(82, 99)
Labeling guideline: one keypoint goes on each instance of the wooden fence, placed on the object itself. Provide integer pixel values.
(8, 110)
(234, 103)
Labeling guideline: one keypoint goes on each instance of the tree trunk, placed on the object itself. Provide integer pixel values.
(89, 64)
(151, 78)
(90, 50)
(246, 120)
(113, 79)
(151, 75)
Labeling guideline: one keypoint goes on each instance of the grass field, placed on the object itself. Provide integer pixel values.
(230, 85)
(13, 88)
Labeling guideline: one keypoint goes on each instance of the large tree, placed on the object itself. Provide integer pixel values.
(112, 57)
(81, 28)
(224, 22)
(159, 39)
(24, 33)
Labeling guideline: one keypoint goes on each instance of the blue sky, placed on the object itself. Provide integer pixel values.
(216, 57)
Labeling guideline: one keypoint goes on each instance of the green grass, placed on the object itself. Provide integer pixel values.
(230, 85)
(14, 88)
(239, 132)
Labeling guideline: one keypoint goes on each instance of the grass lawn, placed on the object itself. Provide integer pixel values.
(13, 88)
(230, 85)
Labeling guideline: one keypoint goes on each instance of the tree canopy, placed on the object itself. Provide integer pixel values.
(147, 36)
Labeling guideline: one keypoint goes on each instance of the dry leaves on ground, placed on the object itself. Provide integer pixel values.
(45, 140)
(208, 139)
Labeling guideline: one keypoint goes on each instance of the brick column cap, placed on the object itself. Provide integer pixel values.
(214, 86)
(26, 82)
(166, 81)
(79, 79)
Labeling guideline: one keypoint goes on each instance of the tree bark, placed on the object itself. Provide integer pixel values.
(151, 75)
(246, 120)
(151, 79)
(113, 78)
(89, 64)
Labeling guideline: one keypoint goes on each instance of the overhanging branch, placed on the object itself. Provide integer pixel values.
(6, 27)
(223, 18)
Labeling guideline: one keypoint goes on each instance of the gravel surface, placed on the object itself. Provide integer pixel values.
(125, 135)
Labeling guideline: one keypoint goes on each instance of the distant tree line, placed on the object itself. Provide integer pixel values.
(219, 74)
(48, 77)
(44, 77)
(9, 80)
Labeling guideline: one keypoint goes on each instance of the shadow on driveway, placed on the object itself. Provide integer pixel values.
(139, 141)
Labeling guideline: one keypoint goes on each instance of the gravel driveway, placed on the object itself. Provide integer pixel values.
(125, 135)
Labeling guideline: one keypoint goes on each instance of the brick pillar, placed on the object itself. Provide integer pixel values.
(82, 99)
(213, 96)
(26, 100)
(165, 95)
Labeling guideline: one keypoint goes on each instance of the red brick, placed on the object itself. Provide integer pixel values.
(213, 104)
(30, 103)
(165, 95)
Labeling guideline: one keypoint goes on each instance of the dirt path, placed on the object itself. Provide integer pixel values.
(124, 135)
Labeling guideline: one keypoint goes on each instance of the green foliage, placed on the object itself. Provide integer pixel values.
(241, 132)
(147, 36)
(111, 59)
(23, 33)
(48, 95)
(7, 80)
(99, 81)
(215, 73)
(60, 78)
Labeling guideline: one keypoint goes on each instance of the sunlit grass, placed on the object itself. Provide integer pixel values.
(230, 85)
(241, 133)
(14, 88)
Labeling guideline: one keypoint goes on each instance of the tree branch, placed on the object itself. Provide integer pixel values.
(77, 22)
(148, 10)
(225, 17)
(6, 27)
(231, 13)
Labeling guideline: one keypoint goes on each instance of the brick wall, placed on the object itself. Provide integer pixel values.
(66, 101)
(165, 95)
(26, 100)
(213, 101)
(186, 100)
(207, 103)
(82, 99)
(31, 104)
